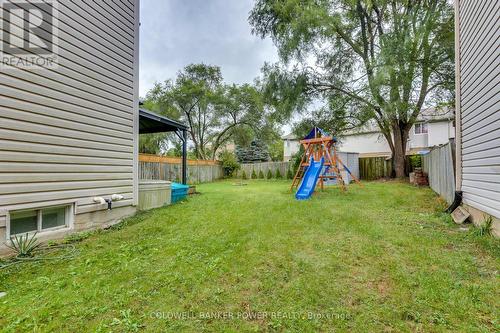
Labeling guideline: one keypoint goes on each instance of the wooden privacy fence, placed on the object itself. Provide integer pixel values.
(349, 159)
(372, 168)
(439, 165)
(170, 168)
(264, 167)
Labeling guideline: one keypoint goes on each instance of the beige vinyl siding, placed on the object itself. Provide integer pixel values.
(479, 64)
(68, 134)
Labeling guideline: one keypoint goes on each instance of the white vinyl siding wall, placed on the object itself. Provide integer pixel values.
(69, 134)
(479, 64)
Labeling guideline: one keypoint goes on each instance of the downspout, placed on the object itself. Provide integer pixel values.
(456, 202)
(458, 118)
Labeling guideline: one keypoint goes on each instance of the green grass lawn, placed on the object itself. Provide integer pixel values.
(252, 258)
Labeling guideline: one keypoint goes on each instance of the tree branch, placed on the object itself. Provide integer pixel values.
(326, 86)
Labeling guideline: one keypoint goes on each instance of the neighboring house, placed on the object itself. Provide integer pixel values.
(477, 32)
(291, 146)
(368, 142)
(434, 127)
(69, 134)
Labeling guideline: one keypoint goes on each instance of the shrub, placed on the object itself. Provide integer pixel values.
(230, 164)
(244, 175)
(416, 161)
(289, 174)
(269, 174)
(278, 174)
(254, 174)
(261, 175)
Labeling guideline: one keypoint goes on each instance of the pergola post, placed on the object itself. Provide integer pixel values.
(184, 157)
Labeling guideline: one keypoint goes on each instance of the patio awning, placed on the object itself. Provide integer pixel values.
(150, 122)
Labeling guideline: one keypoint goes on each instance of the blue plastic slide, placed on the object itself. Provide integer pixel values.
(310, 179)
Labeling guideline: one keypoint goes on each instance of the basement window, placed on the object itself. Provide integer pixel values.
(39, 220)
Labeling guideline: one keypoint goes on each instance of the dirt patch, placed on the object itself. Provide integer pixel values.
(383, 288)
(253, 316)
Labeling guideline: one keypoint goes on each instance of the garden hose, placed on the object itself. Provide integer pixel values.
(18, 260)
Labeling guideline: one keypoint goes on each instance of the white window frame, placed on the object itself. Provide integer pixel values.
(421, 126)
(68, 217)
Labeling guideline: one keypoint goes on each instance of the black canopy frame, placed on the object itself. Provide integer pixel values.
(150, 122)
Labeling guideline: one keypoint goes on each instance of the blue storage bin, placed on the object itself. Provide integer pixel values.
(179, 192)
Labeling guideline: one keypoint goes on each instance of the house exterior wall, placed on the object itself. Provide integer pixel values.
(416, 141)
(373, 144)
(290, 148)
(366, 143)
(69, 134)
(478, 98)
(440, 133)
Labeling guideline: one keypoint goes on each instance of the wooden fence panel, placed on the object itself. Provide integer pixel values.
(167, 168)
(439, 166)
(349, 159)
(264, 167)
(372, 168)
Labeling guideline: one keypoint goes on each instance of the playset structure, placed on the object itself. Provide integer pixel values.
(319, 163)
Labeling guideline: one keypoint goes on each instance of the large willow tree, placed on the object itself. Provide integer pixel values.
(385, 59)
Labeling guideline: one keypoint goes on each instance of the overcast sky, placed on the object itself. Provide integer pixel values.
(175, 33)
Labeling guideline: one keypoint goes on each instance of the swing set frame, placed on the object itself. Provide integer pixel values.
(321, 145)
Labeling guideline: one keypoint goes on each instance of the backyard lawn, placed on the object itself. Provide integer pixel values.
(251, 258)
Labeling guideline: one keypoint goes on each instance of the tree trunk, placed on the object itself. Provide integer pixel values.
(399, 153)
